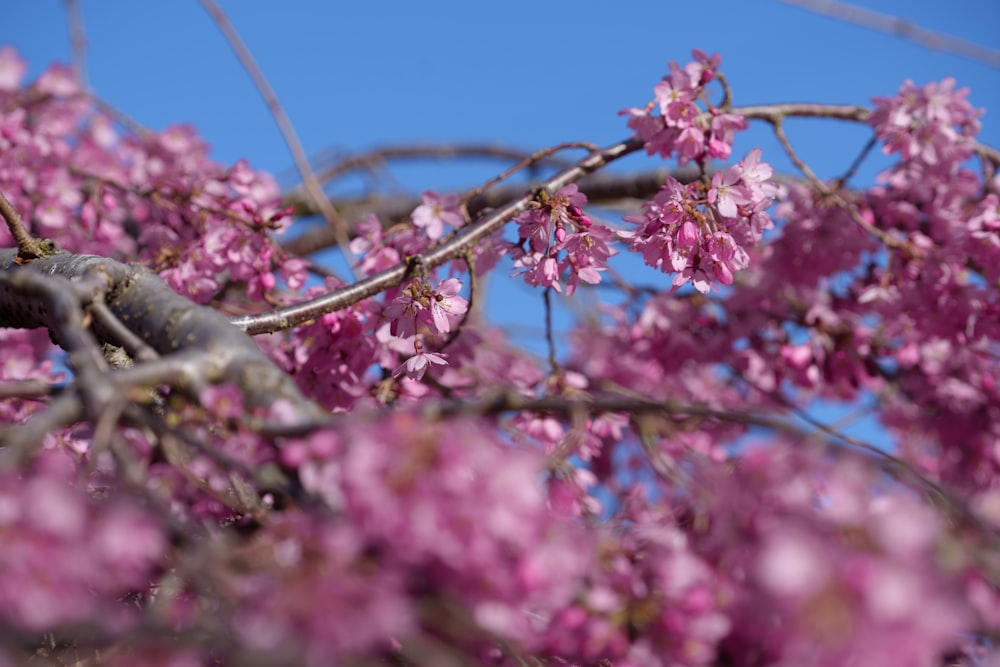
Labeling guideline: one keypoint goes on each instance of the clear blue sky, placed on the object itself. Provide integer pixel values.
(362, 74)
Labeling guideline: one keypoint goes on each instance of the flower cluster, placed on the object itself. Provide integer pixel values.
(65, 557)
(454, 512)
(76, 177)
(561, 240)
(702, 233)
(933, 124)
(653, 602)
(858, 581)
(681, 129)
(420, 308)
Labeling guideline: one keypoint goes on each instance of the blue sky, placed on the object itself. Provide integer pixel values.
(362, 74)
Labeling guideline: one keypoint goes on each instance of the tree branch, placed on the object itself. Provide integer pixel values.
(453, 246)
(170, 324)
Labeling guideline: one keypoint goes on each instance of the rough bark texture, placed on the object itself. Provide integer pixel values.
(163, 319)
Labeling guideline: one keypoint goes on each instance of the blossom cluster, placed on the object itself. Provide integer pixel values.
(682, 129)
(155, 196)
(934, 123)
(703, 234)
(67, 557)
(417, 309)
(453, 511)
(700, 231)
(557, 239)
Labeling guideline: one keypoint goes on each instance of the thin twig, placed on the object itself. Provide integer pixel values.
(534, 158)
(549, 337)
(123, 119)
(78, 41)
(312, 186)
(28, 248)
(372, 159)
(849, 174)
(904, 28)
(824, 189)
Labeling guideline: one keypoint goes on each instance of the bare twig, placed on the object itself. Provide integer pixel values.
(534, 158)
(849, 174)
(78, 40)
(904, 28)
(126, 121)
(375, 158)
(28, 248)
(549, 337)
(824, 189)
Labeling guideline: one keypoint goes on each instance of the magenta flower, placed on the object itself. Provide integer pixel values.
(435, 212)
(402, 313)
(447, 305)
(417, 365)
(727, 193)
(418, 305)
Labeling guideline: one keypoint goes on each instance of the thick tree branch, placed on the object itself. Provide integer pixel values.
(170, 324)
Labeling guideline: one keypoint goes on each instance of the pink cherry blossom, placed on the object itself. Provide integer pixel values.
(417, 365)
(435, 212)
(727, 193)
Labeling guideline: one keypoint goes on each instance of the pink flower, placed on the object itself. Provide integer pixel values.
(435, 212)
(418, 305)
(447, 305)
(703, 68)
(727, 193)
(12, 68)
(402, 313)
(535, 226)
(539, 269)
(724, 126)
(417, 365)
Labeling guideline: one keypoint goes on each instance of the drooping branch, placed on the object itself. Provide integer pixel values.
(375, 158)
(450, 248)
(599, 188)
(603, 189)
